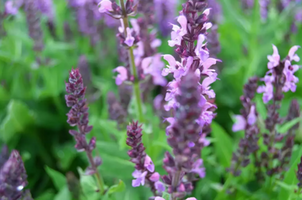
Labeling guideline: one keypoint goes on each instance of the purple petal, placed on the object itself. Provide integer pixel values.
(136, 182)
(252, 118)
(154, 177)
(239, 124)
(149, 164)
(105, 6)
(160, 187)
(292, 54)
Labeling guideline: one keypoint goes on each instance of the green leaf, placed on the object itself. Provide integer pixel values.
(89, 186)
(18, 118)
(63, 194)
(46, 195)
(223, 145)
(290, 175)
(288, 125)
(115, 161)
(57, 178)
(166, 196)
(117, 188)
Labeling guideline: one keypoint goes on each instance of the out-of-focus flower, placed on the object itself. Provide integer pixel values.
(116, 110)
(299, 174)
(122, 75)
(165, 15)
(105, 6)
(33, 23)
(13, 178)
(247, 122)
(264, 4)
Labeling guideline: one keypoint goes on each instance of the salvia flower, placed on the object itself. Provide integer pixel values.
(12, 7)
(196, 58)
(279, 79)
(33, 23)
(186, 138)
(13, 178)
(264, 6)
(299, 174)
(144, 173)
(78, 116)
(165, 14)
(160, 198)
(191, 86)
(115, 109)
(247, 122)
(280, 75)
(46, 7)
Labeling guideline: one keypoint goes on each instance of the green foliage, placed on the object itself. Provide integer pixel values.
(223, 145)
(16, 121)
(33, 110)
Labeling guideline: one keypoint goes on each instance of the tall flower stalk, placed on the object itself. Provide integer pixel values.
(78, 116)
(279, 79)
(189, 98)
(128, 38)
(144, 168)
(247, 122)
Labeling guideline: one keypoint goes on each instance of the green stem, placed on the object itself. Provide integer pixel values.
(136, 85)
(97, 174)
(175, 181)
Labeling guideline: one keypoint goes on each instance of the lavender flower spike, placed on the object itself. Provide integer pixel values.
(280, 70)
(191, 86)
(78, 116)
(299, 174)
(13, 178)
(144, 168)
(33, 23)
(247, 122)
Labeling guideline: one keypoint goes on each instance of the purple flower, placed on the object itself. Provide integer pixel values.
(165, 14)
(292, 54)
(129, 39)
(153, 66)
(11, 8)
(299, 174)
(198, 168)
(178, 32)
(139, 178)
(144, 167)
(160, 198)
(46, 7)
(79, 116)
(241, 122)
(247, 122)
(278, 69)
(148, 164)
(13, 178)
(105, 6)
(122, 76)
(159, 186)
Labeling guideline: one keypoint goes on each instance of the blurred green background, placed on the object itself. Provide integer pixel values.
(33, 111)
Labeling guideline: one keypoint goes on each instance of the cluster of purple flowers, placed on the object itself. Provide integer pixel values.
(278, 80)
(280, 75)
(13, 178)
(147, 61)
(191, 86)
(144, 167)
(193, 57)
